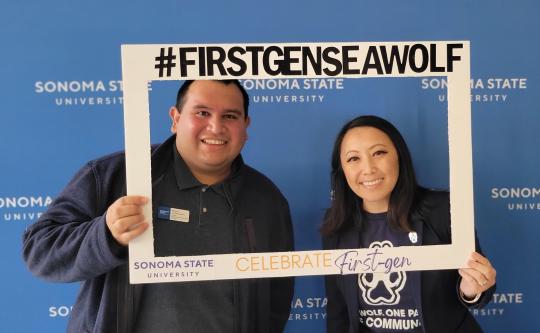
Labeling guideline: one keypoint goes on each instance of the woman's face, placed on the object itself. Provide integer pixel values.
(371, 166)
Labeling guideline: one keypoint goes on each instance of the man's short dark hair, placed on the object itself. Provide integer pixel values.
(180, 97)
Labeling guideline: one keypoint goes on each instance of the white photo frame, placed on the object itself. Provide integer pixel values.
(450, 59)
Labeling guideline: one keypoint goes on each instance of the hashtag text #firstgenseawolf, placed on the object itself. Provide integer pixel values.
(303, 60)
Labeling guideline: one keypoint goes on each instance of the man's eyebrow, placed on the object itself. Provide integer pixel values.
(236, 111)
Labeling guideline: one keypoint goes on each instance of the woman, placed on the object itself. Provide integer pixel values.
(377, 202)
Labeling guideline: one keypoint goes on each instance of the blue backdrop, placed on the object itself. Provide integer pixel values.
(61, 105)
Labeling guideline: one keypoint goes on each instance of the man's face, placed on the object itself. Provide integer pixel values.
(210, 129)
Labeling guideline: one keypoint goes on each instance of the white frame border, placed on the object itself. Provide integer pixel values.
(138, 69)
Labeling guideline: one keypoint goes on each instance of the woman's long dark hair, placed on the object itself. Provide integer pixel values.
(346, 208)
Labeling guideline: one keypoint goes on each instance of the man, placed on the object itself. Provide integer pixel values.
(84, 234)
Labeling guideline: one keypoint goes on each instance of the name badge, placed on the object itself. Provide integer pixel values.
(173, 214)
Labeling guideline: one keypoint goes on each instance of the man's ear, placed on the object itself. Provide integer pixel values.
(175, 118)
(248, 121)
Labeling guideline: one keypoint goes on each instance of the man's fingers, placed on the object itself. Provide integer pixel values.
(127, 210)
(127, 223)
(125, 218)
(125, 237)
(132, 200)
(124, 207)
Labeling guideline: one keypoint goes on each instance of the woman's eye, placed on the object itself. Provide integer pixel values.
(352, 159)
(379, 152)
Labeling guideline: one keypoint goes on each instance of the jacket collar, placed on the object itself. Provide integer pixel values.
(161, 158)
(185, 178)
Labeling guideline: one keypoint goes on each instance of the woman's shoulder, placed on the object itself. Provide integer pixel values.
(433, 199)
(332, 241)
(433, 210)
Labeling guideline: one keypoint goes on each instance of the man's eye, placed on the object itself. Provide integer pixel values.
(230, 116)
(202, 113)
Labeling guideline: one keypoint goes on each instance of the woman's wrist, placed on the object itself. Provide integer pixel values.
(468, 300)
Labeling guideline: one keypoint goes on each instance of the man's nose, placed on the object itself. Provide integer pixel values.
(215, 124)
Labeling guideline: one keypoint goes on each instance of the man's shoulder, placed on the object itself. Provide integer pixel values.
(116, 159)
(255, 178)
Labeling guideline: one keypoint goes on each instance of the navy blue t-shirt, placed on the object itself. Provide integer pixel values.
(388, 302)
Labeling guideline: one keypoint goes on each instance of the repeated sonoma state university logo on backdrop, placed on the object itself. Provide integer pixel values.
(76, 94)
(516, 198)
(308, 308)
(291, 91)
(26, 208)
(500, 303)
(483, 90)
(79, 94)
(60, 311)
